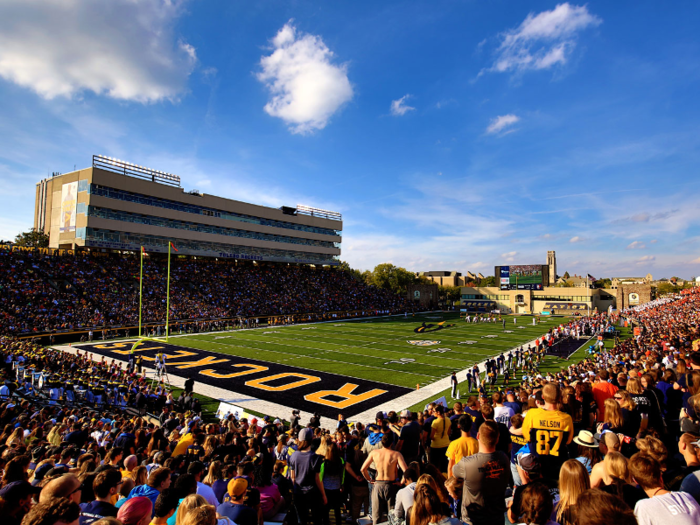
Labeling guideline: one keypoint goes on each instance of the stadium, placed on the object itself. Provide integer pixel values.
(212, 319)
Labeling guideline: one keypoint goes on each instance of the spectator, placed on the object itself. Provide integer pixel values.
(166, 504)
(405, 496)
(136, 511)
(235, 509)
(535, 506)
(573, 481)
(65, 486)
(158, 480)
(662, 506)
(465, 445)
(105, 487)
(486, 476)
(428, 508)
(596, 507)
(305, 467)
(197, 470)
(16, 501)
(53, 511)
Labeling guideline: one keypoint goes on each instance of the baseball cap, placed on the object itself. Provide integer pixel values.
(276, 422)
(380, 415)
(237, 487)
(17, 490)
(306, 434)
(406, 414)
(528, 462)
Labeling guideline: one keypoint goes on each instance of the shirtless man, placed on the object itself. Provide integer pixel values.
(385, 462)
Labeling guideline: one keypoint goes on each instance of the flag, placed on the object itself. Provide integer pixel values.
(591, 278)
(173, 246)
(143, 250)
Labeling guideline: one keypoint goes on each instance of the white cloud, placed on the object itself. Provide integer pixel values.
(696, 261)
(576, 239)
(306, 87)
(399, 107)
(647, 259)
(636, 245)
(509, 256)
(123, 48)
(543, 40)
(501, 123)
(653, 241)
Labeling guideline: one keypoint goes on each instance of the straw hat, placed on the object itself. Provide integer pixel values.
(586, 439)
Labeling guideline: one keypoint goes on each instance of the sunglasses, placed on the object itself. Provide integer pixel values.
(618, 397)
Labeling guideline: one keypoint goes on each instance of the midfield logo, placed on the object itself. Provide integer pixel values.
(423, 343)
(467, 343)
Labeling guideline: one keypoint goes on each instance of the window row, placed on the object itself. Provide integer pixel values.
(104, 213)
(127, 196)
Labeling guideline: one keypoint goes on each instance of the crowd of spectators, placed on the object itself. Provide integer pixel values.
(614, 438)
(41, 292)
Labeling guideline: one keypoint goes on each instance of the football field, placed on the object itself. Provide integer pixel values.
(354, 366)
(387, 350)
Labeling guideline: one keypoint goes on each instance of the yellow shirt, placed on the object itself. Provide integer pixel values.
(185, 441)
(464, 446)
(442, 432)
(548, 432)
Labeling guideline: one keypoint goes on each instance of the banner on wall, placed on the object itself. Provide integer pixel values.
(69, 204)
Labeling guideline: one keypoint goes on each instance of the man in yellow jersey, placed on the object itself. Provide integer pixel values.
(549, 431)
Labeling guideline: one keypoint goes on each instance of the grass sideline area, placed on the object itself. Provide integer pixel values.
(549, 364)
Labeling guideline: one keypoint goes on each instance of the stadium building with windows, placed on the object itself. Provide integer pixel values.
(118, 206)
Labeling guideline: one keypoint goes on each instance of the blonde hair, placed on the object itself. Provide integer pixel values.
(213, 474)
(653, 447)
(627, 401)
(17, 437)
(427, 479)
(573, 481)
(188, 504)
(613, 413)
(634, 386)
(204, 515)
(616, 465)
(326, 442)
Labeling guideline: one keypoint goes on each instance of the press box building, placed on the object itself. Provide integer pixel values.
(119, 206)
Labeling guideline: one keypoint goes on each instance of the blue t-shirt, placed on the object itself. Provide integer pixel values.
(239, 514)
(305, 466)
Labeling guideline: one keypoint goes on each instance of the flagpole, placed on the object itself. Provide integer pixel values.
(167, 300)
(140, 291)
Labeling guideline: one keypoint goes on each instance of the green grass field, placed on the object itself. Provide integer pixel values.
(376, 349)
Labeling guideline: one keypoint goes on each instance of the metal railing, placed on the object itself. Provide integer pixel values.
(133, 170)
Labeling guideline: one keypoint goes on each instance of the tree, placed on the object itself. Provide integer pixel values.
(489, 281)
(603, 283)
(32, 239)
(345, 267)
(450, 293)
(566, 284)
(566, 275)
(390, 277)
(666, 288)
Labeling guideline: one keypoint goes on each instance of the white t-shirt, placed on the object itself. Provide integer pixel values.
(679, 508)
(207, 493)
(503, 415)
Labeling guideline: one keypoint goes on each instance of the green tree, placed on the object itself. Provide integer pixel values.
(666, 288)
(449, 294)
(566, 275)
(32, 239)
(345, 267)
(603, 283)
(489, 281)
(390, 277)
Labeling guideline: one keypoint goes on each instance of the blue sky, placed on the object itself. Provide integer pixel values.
(452, 135)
